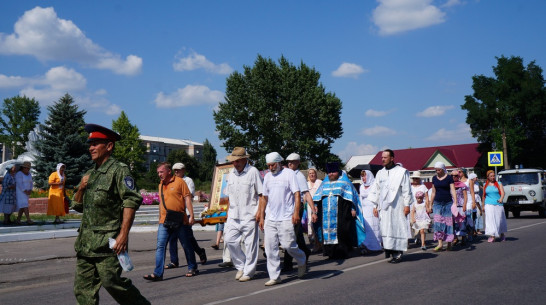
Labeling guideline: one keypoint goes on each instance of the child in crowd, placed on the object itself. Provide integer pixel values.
(419, 217)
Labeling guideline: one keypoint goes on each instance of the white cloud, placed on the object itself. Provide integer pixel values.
(397, 16)
(433, 111)
(460, 133)
(55, 83)
(379, 131)
(40, 33)
(354, 149)
(349, 70)
(189, 95)
(451, 3)
(375, 113)
(196, 61)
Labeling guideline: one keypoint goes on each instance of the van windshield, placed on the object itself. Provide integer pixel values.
(520, 178)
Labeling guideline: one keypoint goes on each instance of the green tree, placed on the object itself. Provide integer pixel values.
(514, 103)
(281, 108)
(208, 162)
(18, 117)
(130, 149)
(63, 140)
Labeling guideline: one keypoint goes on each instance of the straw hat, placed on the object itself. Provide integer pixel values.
(238, 153)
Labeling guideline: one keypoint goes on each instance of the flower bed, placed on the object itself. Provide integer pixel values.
(149, 197)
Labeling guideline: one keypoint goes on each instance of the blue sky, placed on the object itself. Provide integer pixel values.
(400, 67)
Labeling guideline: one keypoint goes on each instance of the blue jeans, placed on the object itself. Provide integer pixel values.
(173, 247)
(163, 235)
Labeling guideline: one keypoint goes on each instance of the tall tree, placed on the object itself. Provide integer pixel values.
(18, 117)
(130, 149)
(514, 103)
(208, 162)
(63, 140)
(279, 107)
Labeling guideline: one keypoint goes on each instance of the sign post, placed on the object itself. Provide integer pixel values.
(495, 158)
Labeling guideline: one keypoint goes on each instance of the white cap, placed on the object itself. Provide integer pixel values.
(293, 157)
(273, 157)
(179, 166)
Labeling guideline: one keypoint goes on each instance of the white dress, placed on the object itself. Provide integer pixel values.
(371, 223)
(422, 220)
(414, 190)
(22, 183)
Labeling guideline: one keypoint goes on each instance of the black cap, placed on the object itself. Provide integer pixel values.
(332, 167)
(97, 132)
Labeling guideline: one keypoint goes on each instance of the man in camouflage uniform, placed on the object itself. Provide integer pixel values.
(108, 200)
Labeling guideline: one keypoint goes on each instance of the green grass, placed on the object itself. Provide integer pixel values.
(43, 218)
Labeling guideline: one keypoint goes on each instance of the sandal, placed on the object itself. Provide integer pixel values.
(438, 249)
(152, 277)
(171, 266)
(192, 273)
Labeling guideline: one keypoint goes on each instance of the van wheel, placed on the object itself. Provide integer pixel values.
(541, 212)
(515, 213)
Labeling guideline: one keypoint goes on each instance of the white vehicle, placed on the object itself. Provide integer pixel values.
(525, 190)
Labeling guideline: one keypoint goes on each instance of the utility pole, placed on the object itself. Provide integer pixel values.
(504, 149)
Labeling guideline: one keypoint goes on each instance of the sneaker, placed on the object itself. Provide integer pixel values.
(273, 282)
(424, 248)
(239, 275)
(245, 278)
(302, 270)
(503, 237)
(203, 256)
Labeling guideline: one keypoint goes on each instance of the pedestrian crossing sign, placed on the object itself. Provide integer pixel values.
(494, 158)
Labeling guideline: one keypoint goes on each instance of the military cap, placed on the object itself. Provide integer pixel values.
(97, 132)
(332, 167)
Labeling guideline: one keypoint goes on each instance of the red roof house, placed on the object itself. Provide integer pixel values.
(423, 159)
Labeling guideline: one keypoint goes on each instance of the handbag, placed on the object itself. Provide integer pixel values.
(173, 219)
(66, 205)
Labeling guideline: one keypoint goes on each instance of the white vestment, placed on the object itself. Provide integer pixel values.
(390, 193)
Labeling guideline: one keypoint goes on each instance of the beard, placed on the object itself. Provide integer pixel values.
(277, 169)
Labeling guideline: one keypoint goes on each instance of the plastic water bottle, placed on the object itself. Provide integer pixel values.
(124, 259)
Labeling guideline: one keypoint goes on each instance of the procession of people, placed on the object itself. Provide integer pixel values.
(387, 212)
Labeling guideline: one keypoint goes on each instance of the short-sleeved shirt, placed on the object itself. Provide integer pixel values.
(443, 189)
(244, 190)
(302, 182)
(174, 193)
(190, 184)
(280, 189)
(110, 189)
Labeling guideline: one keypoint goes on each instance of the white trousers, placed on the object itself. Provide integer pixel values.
(282, 232)
(245, 231)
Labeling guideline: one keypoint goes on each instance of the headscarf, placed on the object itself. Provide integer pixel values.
(369, 178)
(59, 165)
(458, 183)
(441, 165)
(419, 194)
(472, 176)
(273, 157)
(487, 174)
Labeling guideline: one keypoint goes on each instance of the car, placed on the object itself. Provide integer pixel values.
(524, 190)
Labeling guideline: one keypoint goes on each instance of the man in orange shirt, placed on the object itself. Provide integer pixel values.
(175, 195)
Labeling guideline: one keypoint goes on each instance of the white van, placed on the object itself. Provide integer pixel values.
(525, 190)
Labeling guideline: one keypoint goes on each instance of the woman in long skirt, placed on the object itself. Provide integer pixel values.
(493, 194)
(443, 195)
(371, 223)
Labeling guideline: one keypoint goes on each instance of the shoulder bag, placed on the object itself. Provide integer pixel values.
(173, 219)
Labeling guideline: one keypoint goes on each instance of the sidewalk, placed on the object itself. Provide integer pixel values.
(146, 219)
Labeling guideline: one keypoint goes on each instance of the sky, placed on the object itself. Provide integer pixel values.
(400, 67)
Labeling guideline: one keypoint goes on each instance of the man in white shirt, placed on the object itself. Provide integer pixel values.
(391, 195)
(244, 189)
(293, 163)
(279, 214)
(180, 171)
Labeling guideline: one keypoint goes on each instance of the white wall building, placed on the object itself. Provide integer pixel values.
(157, 148)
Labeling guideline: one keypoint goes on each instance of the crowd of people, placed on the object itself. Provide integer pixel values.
(17, 186)
(387, 211)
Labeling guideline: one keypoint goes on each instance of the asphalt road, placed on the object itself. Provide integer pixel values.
(511, 272)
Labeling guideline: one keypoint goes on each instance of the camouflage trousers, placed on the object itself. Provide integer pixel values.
(94, 272)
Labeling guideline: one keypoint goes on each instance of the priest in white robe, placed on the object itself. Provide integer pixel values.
(391, 195)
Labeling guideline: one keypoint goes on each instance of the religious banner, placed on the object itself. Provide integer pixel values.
(217, 210)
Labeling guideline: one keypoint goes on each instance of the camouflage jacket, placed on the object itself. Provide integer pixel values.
(110, 189)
